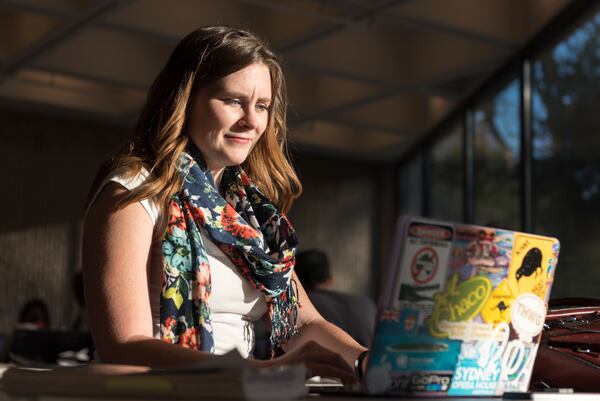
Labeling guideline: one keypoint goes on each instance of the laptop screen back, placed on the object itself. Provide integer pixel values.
(462, 310)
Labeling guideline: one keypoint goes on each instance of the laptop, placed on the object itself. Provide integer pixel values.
(461, 311)
(42, 347)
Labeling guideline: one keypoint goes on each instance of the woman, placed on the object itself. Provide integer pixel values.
(185, 240)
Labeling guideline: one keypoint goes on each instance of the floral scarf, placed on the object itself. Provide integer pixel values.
(248, 228)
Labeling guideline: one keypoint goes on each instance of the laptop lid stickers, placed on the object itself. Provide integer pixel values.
(462, 310)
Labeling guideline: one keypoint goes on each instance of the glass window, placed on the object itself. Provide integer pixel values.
(411, 186)
(447, 174)
(566, 154)
(497, 155)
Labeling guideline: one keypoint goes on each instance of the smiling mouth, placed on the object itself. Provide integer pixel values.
(238, 139)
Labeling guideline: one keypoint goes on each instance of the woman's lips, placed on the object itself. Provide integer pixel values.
(238, 139)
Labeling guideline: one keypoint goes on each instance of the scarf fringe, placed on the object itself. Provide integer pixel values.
(283, 311)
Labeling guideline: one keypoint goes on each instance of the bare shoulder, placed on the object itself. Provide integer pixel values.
(113, 235)
(104, 211)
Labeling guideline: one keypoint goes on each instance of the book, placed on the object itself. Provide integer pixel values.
(224, 378)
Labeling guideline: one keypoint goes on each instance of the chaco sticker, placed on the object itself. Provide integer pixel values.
(459, 302)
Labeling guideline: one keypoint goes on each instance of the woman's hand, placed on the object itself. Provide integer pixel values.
(318, 360)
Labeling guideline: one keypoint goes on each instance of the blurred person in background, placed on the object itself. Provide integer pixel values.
(33, 315)
(353, 313)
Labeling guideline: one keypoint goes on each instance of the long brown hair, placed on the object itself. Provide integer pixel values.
(201, 58)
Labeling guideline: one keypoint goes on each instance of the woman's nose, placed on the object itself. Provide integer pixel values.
(249, 120)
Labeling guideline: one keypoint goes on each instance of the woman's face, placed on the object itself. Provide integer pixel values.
(229, 116)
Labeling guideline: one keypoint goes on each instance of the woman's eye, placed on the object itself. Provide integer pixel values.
(262, 107)
(234, 102)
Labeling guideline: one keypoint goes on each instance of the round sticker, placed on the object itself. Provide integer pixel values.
(424, 265)
(527, 316)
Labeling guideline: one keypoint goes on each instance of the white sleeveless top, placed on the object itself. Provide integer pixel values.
(233, 302)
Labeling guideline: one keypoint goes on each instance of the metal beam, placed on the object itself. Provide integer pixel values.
(298, 65)
(354, 104)
(365, 15)
(65, 16)
(434, 26)
(281, 6)
(445, 29)
(526, 148)
(295, 146)
(56, 37)
(11, 103)
(126, 85)
(45, 83)
(371, 127)
(37, 9)
(479, 67)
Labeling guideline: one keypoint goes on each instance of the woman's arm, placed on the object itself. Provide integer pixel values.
(116, 261)
(313, 327)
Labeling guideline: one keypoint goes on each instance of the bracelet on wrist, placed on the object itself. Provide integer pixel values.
(358, 369)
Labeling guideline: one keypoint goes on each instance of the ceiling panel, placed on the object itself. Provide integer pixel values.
(107, 54)
(401, 112)
(394, 53)
(312, 94)
(500, 20)
(508, 22)
(437, 57)
(72, 7)
(376, 51)
(58, 90)
(538, 12)
(333, 136)
(20, 29)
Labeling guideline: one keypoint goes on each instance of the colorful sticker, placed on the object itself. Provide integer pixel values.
(426, 253)
(480, 250)
(478, 370)
(532, 262)
(527, 316)
(497, 308)
(424, 265)
(459, 302)
(518, 361)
